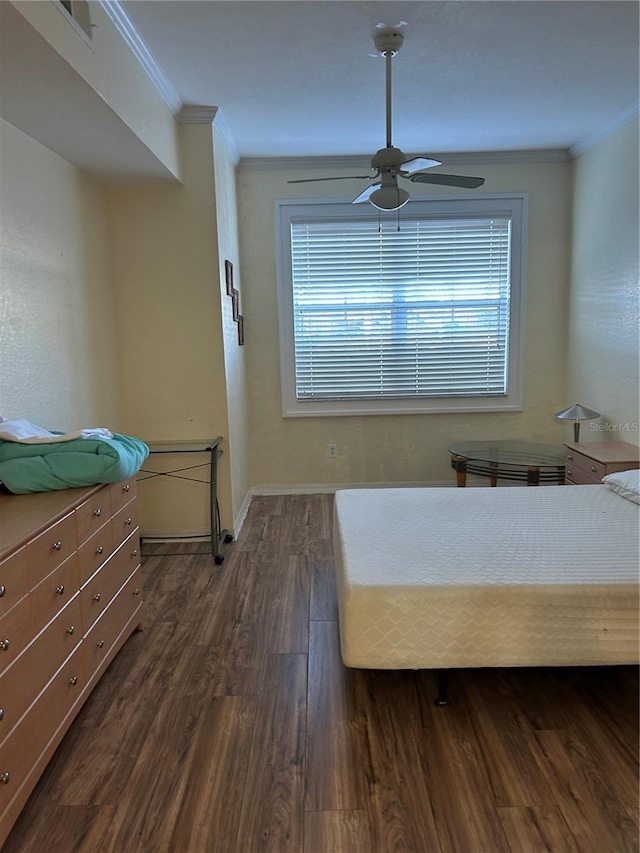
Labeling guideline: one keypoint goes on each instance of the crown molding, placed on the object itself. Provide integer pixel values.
(592, 139)
(184, 113)
(542, 155)
(194, 114)
(125, 27)
(226, 136)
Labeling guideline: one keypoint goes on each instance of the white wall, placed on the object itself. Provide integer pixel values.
(399, 448)
(58, 358)
(604, 322)
(237, 438)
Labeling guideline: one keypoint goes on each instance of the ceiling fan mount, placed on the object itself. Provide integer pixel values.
(390, 163)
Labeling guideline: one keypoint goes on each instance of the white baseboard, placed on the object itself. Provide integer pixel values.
(329, 488)
(242, 514)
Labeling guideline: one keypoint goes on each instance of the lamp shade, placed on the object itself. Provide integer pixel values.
(577, 413)
(389, 198)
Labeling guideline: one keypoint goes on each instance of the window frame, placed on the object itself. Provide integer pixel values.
(483, 204)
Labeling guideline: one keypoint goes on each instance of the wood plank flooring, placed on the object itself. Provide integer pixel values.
(229, 725)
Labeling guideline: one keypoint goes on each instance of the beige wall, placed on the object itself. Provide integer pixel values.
(237, 443)
(603, 333)
(412, 448)
(166, 276)
(58, 360)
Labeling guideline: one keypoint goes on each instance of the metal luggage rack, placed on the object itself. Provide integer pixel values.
(217, 535)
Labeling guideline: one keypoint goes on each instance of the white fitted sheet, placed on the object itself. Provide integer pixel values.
(446, 577)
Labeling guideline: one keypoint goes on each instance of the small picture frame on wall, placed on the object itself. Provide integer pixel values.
(235, 304)
(241, 330)
(228, 277)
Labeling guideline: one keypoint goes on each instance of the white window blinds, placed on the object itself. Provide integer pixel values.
(416, 313)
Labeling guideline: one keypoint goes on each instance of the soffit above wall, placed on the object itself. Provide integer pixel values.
(42, 95)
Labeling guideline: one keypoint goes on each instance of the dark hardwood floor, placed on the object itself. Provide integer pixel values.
(230, 724)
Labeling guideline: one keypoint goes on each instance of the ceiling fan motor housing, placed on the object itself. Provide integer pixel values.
(388, 41)
(388, 159)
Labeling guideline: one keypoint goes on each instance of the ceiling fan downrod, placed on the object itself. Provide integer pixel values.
(388, 43)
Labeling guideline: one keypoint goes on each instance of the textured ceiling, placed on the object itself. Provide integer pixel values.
(296, 78)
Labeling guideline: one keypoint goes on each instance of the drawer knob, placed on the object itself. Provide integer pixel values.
(136, 591)
(1, 713)
(4, 645)
(134, 553)
(100, 644)
(57, 546)
(71, 630)
(3, 589)
(97, 512)
(126, 488)
(593, 469)
(97, 596)
(99, 549)
(128, 521)
(5, 777)
(73, 680)
(569, 472)
(569, 457)
(60, 589)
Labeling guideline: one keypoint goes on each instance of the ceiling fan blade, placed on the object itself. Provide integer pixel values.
(448, 180)
(340, 178)
(418, 163)
(364, 195)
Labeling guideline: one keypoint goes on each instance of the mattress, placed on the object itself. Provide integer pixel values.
(446, 577)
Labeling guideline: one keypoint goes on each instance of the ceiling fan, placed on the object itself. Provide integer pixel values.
(391, 163)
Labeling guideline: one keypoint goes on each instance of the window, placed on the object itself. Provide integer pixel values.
(378, 320)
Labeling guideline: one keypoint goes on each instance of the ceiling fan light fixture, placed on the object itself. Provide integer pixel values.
(389, 198)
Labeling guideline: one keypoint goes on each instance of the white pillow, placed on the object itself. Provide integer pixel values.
(625, 483)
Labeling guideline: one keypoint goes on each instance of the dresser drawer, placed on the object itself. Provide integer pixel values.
(53, 593)
(15, 632)
(577, 461)
(105, 631)
(31, 736)
(24, 679)
(578, 477)
(14, 581)
(122, 493)
(95, 551)
(98, 592)
(124, 523)
(47, 551)
(92, 514)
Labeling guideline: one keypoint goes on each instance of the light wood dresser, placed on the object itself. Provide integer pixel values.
(70, 596)
(587, 462)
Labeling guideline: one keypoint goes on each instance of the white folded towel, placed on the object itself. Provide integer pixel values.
(25, 432)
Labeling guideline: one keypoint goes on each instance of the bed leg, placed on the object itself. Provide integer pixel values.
(443, 678)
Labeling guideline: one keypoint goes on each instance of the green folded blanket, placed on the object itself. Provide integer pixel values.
(26, 468)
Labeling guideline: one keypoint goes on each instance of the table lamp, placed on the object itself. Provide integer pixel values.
(576, 414)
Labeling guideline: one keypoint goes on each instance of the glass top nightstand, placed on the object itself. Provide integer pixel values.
(509, 459)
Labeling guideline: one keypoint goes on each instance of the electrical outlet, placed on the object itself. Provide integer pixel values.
(332, 451)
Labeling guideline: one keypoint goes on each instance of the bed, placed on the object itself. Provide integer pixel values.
(442, 578)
